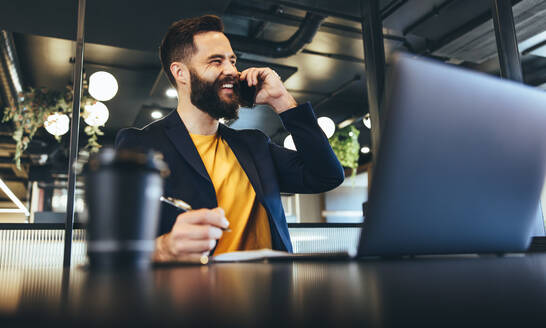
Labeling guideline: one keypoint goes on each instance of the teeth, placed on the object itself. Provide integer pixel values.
(227, 85)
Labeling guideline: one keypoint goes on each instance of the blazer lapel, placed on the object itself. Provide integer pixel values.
(244, 157)
(178, 134)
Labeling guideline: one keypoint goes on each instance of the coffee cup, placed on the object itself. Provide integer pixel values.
(122, 191)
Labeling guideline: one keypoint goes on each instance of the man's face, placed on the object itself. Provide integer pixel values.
(214, 78)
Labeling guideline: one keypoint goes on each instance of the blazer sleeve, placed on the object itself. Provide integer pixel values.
(314, 167)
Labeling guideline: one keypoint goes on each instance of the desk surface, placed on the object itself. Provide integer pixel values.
(489, 290)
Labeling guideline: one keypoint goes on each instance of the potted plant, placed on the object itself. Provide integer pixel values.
(38, 107)
(345, 144)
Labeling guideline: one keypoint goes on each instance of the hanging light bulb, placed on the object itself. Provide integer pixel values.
(366, 120)
(57, 124)
(327, 125)
(102, 86)
(289, 143)
(365, 150)
(96, 115)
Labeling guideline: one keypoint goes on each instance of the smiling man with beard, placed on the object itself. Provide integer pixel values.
(233, 178)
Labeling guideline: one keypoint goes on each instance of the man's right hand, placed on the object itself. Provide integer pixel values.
(194, 234)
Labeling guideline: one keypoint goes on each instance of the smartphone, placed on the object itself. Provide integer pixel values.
(247, 95)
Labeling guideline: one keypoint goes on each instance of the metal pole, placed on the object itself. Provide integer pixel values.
(74, 134)
(374, 58)
(509, 61)
(507, 43)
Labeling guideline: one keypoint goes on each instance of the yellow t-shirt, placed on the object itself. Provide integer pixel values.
(247, 217)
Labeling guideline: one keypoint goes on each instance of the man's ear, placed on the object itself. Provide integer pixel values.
(180, 72)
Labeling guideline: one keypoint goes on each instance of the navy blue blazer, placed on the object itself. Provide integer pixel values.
(270, 168)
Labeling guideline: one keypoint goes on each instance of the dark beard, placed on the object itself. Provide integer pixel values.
(205, 96)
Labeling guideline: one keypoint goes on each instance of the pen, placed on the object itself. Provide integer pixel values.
(178, 203)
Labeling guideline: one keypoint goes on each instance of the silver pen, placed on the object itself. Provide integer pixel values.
(178, 203)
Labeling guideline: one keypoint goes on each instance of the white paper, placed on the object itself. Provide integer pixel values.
(242, 256)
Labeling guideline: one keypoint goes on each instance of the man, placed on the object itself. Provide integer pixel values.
(233, 178)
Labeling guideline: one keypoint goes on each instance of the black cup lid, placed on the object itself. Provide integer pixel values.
(147, 160)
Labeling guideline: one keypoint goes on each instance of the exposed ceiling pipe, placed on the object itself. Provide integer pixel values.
(316, 10)
(10, 77)
(293, 45)
(386, 10)
(262, 15)
(250, 44)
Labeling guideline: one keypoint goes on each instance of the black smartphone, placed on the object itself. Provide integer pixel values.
(247, 95)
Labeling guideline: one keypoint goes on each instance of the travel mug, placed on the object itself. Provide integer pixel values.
(123, 188)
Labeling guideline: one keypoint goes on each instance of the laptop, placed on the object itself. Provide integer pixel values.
(461, 163)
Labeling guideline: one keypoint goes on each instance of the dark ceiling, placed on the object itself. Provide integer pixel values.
(122, 38)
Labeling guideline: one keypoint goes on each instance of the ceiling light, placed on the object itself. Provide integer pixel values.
(11, 195)
(96, 115)
(57, 124)
(289, 143)
(365, 150)
(102, 86)
(327, 125)
(345, 123)
(171, 93)
(367, 121)
(156, 114)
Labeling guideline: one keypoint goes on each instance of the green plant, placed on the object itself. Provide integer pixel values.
(35, 105)
(345, 144)
(92, 142)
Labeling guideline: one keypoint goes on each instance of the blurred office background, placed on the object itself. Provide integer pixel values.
(122, 37)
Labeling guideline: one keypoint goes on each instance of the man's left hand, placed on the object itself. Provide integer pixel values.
(270, 89)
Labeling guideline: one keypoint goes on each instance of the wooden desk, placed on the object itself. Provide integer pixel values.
(436, 291)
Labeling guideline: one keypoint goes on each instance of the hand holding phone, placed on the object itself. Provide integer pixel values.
(269, 89)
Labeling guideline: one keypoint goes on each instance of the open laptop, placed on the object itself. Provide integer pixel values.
(461, 164)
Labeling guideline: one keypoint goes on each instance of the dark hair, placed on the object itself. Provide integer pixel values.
(178, 44)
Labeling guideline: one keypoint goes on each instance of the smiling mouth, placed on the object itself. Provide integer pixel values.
(228, 86)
